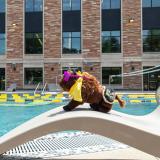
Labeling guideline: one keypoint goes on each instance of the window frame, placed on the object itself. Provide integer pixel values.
(111, 70)
(109, 37)
(110, 5)
(33, 68)
(33, 6)
(71, 8)
(151, 35)
(71, 40)
(32, 39)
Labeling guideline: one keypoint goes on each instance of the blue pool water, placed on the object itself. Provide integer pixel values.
(12, 116)
(136, 109)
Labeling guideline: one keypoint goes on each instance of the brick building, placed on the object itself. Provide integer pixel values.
(41, 38)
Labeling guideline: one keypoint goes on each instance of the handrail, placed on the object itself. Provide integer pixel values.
(44, 88)
(36, 88)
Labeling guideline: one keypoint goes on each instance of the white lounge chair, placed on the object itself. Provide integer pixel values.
(12, 87)
(141, 132)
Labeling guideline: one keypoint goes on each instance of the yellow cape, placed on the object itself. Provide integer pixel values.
(75, 91)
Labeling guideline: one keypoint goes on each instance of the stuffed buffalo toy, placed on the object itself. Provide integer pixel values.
(85, 88)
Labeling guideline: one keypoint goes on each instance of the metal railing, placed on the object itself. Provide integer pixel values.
(36, 88)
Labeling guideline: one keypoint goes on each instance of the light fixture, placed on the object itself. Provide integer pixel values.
(131, 20)
(13, 24)
(14, 66)
(132, 68)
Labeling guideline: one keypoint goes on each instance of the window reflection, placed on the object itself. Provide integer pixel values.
(2, 43)
(111, 4)
(2, 6)
(33, 5)
(71, 42)
(33, 76)
(151, 3)
(111, 42)
(33, 43)
(71, 5)
(151, 40)
(107, 72)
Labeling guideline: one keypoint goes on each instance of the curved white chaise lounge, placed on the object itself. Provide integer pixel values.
(141, 132)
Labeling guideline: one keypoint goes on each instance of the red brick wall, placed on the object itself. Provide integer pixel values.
(132, 82)
(91, 28)
(51, 70)
(14, 76)
(93, 68)
(52, 29)
(131, 31)
(15, 33)
(132, 45)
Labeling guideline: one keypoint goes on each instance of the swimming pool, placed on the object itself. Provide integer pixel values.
(12, 116)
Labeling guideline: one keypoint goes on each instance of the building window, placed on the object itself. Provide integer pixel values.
(33, 76)
(151, 40)
(71, 42)
(70, 5)
(111, 42)
(107, 72)
(111, 4)
(2, 43)
(33, 5)
(2, 6)
(151, 3)
(151, 81)
(33, 43)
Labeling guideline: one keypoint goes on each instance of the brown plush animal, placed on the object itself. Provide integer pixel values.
(85, 88)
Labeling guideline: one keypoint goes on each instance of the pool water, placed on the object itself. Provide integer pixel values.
(136, 109)
(12, 116)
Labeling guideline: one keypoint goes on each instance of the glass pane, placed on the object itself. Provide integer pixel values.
(146, 32)
(107, 71)
(115, 44)
(66, 34)
(29, 5)
(115, 33)
(156, 43)
(105, 4)
(75, 34)
(155, 3)
(76, 45)
(33, 76)
(146, 3)
(76, 4)
(29, 46)
(38, 45)
(66, 45)
(106, 46)
(155, 32)
(2, 36)
(106, 33)
(66, 5)
(2, 46)
(147, 44)
(115, 4)
(38, 5)
(2, 6)
(29, 35)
